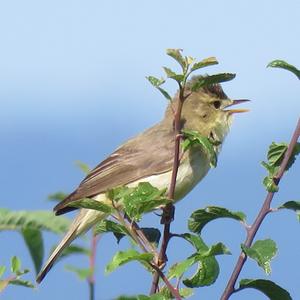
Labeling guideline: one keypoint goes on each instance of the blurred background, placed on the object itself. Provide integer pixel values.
(73, 87)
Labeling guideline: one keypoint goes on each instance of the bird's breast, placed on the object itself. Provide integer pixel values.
(193, 167)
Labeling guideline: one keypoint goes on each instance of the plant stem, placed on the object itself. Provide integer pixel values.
(140, 234)
(171, 288)
(92, 290)
(265, 209)
(169, 210)
(91, 278)
(133, 233)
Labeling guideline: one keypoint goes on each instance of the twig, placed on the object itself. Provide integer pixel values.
(139, 232)
(265, 209)
(133, 234)
(173, 290)
(138, 236)
(91, 278)
(169, 210)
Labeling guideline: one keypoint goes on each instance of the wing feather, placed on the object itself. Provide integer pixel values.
(147, 154)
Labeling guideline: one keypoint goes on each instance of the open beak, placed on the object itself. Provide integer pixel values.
(237, 110)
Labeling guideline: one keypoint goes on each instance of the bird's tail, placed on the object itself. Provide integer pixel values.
(82, 223)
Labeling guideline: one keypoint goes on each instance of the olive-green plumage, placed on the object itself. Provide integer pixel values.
(149, 157)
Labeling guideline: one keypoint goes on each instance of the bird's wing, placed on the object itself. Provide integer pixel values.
(147, 154)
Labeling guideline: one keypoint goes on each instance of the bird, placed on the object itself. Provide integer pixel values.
(148, 157)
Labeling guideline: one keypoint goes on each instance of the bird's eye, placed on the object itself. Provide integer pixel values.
(217, 104)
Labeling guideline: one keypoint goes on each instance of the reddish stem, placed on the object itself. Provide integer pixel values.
(168, 212)
(265, 209)
(91, 278)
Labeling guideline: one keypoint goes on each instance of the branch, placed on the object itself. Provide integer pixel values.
(173, 290)
(133, 233)
(169, 210)
(265, 209)
(140, 234)
(139, 237)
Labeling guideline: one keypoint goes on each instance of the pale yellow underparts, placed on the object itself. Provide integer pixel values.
(194, 166)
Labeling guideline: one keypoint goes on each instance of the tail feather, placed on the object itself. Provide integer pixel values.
(65, 242)
(82, 223)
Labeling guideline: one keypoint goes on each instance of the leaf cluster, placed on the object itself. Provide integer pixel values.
(30, 225)
(188, 65)
(275, 157)
(16, 275)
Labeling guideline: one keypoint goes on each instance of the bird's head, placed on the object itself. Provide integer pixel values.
(208, 111)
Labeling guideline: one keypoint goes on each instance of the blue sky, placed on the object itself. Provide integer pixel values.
(72, 87)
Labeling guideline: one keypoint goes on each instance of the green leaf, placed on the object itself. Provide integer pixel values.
(59, 196)
(92, 204)
(143, 297)
(270, 185)
(123, 257)
(204, 63)
(176, 54)
(83, 167)
(21, 282)
(201, 217)
(155, 81)
(183, 292)
(206, 274)
(118, 230)
(284, 65)
(189, 60)
(292, 205)
(43, 220)
(143, 198)
(195, 138)
(152, 297)
(275, 157)
(126, 298)
(15, 280)
(186, 144)
(178, 269)
(165, 94)
(216, 249)
(170, 74)
(262, 251)
(73, 249)
(15, 264)
(267, 287)
(276, 153)
(118, 193)
(269, 168)
(82, 273)
(109, 226)
(208, 268)
(186, 292)
(202, 249)
(34, 242)
(152, 234)
(2, 270)
(296, 151)
(204, 81)
(195, 240)
(22, 272)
